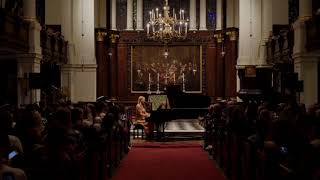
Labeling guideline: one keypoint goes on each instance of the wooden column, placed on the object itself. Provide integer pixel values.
(113, 69)
(122, 70)
(220, 79)
(231, 62)
(211, 69)
(102, 62)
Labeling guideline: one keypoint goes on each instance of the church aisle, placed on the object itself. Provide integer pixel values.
(172, 162)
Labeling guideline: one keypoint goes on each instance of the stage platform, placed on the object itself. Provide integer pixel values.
(183, 129)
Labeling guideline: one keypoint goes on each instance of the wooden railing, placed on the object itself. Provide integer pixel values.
(279, 47)
(54, 47)
(14, 33)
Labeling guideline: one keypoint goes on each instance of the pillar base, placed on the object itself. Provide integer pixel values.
(78, 81)
(255, 81)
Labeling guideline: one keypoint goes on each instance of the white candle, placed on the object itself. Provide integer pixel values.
(158, 77)
(183, 78)
(182, 14)
(174, 78)
(150, 15)
(173, 13)
(149, 78)
(157, 11)
(148, 26)
(186, 29)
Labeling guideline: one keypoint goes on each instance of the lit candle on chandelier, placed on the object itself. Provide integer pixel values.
(158, 78)
(148, 26)
(182, 14)
(157, 11)
(174, 78)
(149, 78)
(150, 15)
(186, 28)
(183, 78)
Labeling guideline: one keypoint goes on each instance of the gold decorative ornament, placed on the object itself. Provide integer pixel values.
(114, 38)
(101, 35)
(163, 27)
(233, 35)
(219, 37)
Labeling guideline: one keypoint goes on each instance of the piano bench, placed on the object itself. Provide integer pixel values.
(136, 131)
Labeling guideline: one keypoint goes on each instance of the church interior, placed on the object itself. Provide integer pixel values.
(113, 89)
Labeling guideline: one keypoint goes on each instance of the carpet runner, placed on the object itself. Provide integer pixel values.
(167, 161)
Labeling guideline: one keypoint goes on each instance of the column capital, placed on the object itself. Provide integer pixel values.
(220, 37)
(100, 36)
(114, 38)
(233, 35)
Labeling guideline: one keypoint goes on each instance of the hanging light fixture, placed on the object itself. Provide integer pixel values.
(163, 27)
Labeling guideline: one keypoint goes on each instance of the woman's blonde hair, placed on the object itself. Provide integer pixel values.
(140, 99)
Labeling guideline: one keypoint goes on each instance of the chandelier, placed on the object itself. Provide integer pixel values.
(163, 27)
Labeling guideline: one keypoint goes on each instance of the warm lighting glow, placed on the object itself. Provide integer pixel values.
(163, 27)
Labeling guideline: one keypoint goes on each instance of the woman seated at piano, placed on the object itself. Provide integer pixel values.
(142, 114)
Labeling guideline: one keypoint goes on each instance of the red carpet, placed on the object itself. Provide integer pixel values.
(167, 162)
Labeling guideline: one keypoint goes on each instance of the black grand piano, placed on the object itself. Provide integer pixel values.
(180, 106)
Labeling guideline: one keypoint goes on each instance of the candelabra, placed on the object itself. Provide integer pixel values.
(149, 84)
(183, 84)
(158, 85)
(163, 27)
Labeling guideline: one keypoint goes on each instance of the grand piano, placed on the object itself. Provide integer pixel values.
(179, 105)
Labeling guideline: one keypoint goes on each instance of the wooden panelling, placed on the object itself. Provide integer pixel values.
(122, 70)
(212, 67)
(102, 70)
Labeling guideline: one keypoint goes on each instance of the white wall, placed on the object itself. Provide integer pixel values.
(280, 12)
(53, 14)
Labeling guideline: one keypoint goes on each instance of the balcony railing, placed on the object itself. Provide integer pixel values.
(279, 47)
(54, 47)
(14, 33)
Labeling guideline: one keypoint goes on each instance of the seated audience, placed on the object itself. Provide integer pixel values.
(6, 171)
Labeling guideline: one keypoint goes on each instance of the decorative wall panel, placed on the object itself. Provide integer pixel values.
(151, 71)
